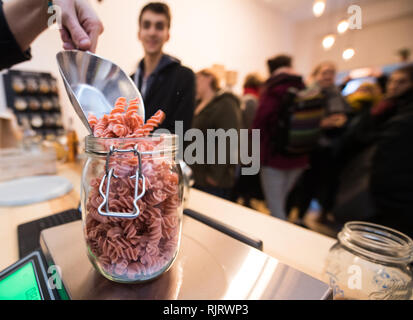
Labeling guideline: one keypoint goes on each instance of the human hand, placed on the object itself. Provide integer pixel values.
(81, 26)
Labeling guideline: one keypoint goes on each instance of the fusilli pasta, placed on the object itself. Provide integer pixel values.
(134, 248)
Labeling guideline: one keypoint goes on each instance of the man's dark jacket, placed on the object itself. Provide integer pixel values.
(171, 88)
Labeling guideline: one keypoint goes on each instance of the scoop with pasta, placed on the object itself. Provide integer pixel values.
(124, 121)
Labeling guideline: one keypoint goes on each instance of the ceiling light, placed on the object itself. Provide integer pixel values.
(318, 7)
(342, 26)
(328, 41)
(348, 53)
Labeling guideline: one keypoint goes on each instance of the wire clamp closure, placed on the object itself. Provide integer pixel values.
(109, 173)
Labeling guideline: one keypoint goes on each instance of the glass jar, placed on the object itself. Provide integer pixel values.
(370, 262)
(132, 206)
(189, 181)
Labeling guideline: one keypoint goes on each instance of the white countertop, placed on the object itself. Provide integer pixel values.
(300, 248)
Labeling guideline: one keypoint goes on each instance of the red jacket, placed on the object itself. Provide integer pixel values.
(266, 118)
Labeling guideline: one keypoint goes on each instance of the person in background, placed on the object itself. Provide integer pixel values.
(163, 82)
(215, 110)
(314, 181)
(336, 109)
(250, 97)
(248, 186)
(376, 171)
(364, 98)
(382, 82)
(400, 85)
(21, 21)
(278, 173)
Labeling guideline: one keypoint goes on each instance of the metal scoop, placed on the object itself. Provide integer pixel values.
(93, 84)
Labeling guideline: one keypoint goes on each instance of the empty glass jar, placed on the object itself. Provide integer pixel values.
(370, 261)
(132, 206)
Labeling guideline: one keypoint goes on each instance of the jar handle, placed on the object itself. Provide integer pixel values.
(108, 176)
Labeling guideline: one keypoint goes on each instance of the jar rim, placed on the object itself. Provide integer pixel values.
(101, 145)
(377, 242)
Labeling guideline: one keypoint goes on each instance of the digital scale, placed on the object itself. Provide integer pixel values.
(28, 279)
(215, 262)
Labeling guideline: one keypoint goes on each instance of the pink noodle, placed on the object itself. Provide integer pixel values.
(133, 248)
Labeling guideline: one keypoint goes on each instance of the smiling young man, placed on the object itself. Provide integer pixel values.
(163, 82)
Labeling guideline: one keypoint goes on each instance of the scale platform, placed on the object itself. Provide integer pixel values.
(210, 266)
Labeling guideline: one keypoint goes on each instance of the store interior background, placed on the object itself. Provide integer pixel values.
(242, 35)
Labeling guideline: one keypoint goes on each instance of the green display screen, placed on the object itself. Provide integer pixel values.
(20, 285)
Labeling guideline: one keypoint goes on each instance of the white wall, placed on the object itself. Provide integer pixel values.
(240, 34)
(387, 27)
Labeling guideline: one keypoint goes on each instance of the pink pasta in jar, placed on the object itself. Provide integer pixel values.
(131, 196)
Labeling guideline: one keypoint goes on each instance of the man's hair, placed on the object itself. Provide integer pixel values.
(279, 62)
(214, 78)
(159, 8)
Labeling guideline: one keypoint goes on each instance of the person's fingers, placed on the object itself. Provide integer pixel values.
(67, 41)
(93, 36)
(93, 41)
(64, 35)
(68, 46)
(89, 21)
(77, 34)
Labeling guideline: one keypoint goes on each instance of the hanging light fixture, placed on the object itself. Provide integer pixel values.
(318, 7)
(348, 53)
(328, 41)
(342, 26)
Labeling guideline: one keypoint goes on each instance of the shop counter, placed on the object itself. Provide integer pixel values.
(302, 249)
